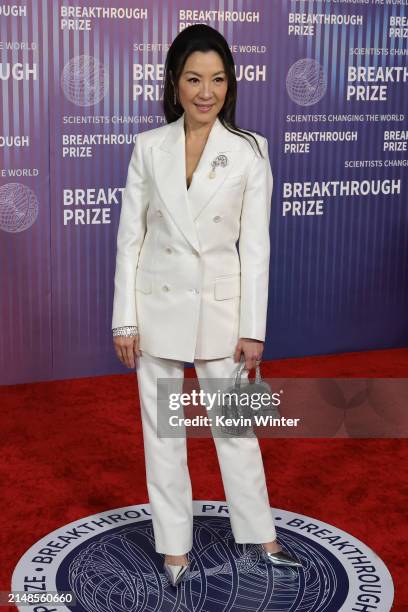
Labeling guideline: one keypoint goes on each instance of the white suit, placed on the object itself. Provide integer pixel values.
(178, 273)
(180, 279)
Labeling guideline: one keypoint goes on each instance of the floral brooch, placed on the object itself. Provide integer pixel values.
(220, 160)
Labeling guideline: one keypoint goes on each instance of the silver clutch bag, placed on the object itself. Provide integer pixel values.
(237, 407)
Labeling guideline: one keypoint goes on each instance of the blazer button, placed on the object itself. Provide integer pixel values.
(166, 288)
(216, 219)
(168, 250)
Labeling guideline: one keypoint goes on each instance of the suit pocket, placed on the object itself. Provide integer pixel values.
(226, 287)
(143, 281)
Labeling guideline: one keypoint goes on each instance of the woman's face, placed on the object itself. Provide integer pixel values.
(202, 87)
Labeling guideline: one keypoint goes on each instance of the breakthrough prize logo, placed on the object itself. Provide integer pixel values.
(84, 80)
(18, 207)
(306, 82)
(108, 562)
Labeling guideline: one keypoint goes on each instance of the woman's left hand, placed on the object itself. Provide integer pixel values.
(252, 350)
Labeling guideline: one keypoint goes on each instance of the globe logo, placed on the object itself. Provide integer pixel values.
(18, 207)
(107, 562)
(120, 572)
(84, 80)
(306, 82)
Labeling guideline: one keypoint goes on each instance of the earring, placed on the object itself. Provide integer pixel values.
(174, 96)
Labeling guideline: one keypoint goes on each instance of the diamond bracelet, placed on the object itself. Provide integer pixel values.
(127, 331)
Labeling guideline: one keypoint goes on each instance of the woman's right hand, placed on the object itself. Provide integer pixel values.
(126, 348)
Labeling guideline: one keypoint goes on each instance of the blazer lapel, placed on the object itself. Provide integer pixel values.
(204, 187)
(170, 177)
(169, 163)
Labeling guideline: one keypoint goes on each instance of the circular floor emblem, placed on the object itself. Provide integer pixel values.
(108, 562)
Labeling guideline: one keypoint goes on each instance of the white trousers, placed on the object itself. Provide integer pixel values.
(168, 477)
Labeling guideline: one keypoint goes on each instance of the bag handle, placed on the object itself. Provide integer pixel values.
(241, 368)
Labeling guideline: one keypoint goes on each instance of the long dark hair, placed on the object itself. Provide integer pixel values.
(201, 37)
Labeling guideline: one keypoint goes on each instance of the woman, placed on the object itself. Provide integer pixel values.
(195, 187)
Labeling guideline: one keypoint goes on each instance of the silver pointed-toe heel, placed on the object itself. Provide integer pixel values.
(175, 573)
(281, 558)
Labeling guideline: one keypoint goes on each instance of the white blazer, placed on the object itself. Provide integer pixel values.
(178, 275)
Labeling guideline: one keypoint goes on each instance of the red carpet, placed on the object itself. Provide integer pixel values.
(73, 448)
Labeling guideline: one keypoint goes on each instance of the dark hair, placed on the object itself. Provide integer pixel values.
(201, 37)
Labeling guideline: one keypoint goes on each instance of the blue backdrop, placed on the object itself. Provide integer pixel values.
(325, 83)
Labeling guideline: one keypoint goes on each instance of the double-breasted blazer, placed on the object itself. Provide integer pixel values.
(179, 275)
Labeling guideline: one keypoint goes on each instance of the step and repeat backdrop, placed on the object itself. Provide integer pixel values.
(325, 82)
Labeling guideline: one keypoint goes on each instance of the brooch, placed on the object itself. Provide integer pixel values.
(220, 160)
